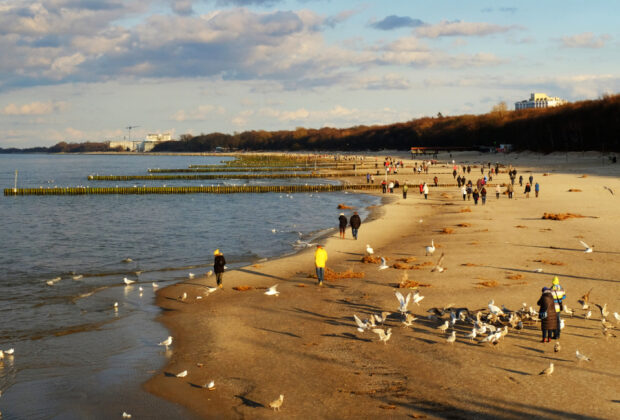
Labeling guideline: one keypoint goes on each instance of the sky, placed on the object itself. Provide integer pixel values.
(86, 70)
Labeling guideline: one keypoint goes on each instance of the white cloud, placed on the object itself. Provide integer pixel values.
(34, 108)
(585, 40)
(201, 113)
(459, 28)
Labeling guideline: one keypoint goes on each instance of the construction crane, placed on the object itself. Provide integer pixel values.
(129, 128)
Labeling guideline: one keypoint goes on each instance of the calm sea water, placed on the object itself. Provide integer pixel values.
(77, 357)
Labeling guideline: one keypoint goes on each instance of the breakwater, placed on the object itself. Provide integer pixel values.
(188, 190)
(203, 177)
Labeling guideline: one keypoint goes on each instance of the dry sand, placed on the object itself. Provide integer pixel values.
(304, 344)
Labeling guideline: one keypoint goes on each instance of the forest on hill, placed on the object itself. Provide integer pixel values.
(584, 125)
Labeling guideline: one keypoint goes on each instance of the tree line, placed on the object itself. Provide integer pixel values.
(585, 125)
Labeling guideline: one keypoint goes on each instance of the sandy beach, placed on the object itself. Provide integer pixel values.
(304, 345)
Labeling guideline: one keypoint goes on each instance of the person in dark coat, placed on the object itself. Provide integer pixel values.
(356, 222)
(342, 223)
(219, 265)
(549, 320)
(476, 195)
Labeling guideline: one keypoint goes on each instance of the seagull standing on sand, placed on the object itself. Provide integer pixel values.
(588, 248)
(166, 342)
(181, 374)
(443, 327)
(452, 338)
(408, 322)
(276, 404)
(155, 285)
(210, 386)
(272, 291)
(128, 282)
(369, 250)
(383, 335)
(557, 347)
(430, 249)
(383, 265)
(548, 371)
(126, 415)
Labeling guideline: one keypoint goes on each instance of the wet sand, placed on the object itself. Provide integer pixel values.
(304, 344)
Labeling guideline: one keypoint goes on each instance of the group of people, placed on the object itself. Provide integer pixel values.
(355, 222)
(551, 305)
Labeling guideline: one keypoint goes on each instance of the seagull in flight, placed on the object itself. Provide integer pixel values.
(408, 322)
(417, 297)
(361, 326)
(608, 189)
(272, 291)
(403, 303)
(383, 265)
(438, 268)
(383, 335)
(581, 357)
(128, 282)
(369, 250)
(430, 249)
(588, 248)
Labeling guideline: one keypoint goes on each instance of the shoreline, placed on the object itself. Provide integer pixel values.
(242, 339)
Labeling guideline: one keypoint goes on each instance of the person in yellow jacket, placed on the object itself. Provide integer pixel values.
(320, 257)
(557, 291)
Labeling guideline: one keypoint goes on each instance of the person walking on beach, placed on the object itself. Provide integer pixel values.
(476, 195)
(436, 180)
(367, 177)
(520, 180)
(320, 258)
(425, 190)
(536, 189)
(464, 192)
(342, 223)
(497, 191)
(391, 187)
(509, 189)
(405, 189)
(219, 265)
(547, 315)
(355, 223)
(527, 190)
(483, 195)
(531, 179)
(384, 186)
(558, 296)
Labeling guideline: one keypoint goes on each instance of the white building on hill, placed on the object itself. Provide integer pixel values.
(539, 100)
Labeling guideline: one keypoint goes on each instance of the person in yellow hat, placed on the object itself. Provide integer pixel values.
(219, 265)
(320, 258)
(558, 296)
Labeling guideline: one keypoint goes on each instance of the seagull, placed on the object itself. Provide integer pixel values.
(369, 250)
(568, 310)
(557, 347)
(548, 371)
(155, 285)
(272, 291)
(383, 335)
(361, 326)
(472, 335)
(276, 404)
(10, 351)
(128, 282)
(438, 268)
(78, 277)
(183, 296)
(166, 342)
(494, 309)
(181, 374)
(210, 386)
(588, 315)
(141, 289)
(443, 327)
(383, 265)
(53, 281)
(408, 322)
(417, 298)
(430, 249)
(581, 357)
(115, 306)
(452, 338)
(608, 189)
(562, 324)
(209, 273)
(211, 289)
(538, 270)
(603, 309)
(403, 303)
(191, 275)
(127, 260)
(588, 248)
(273, 230)
(126, 415)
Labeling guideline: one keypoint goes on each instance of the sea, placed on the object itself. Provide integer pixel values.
(63, 261)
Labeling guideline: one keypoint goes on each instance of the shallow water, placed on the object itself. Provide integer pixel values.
(73, 351)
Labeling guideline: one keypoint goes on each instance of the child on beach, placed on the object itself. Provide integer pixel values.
(219, 264)
(320, 258)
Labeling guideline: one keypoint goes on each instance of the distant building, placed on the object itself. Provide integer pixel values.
(539, 100)
(145, 145)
